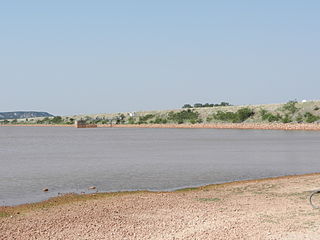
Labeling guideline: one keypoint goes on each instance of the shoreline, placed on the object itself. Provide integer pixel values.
(245, 126)
(70, 197)
(268, 208)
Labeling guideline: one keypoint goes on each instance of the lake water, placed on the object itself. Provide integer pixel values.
(71, 160)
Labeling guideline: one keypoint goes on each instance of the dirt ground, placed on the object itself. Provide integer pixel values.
(263, 209)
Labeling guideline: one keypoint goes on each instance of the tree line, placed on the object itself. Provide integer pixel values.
(200, 105)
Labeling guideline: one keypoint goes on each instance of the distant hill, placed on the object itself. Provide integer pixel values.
(23, 114)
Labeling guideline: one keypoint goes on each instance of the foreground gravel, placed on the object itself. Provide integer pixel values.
(264, 209)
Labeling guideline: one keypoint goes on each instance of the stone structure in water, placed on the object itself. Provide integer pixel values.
(83, 124)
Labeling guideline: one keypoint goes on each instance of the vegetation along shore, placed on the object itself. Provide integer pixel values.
(292, 115)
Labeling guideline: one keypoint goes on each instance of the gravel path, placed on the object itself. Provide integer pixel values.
(263, 209)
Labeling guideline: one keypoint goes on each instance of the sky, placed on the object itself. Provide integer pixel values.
(82, 57)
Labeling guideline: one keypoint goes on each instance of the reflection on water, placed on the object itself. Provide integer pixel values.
(70, 160)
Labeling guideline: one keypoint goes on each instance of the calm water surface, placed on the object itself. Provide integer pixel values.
(70, 160)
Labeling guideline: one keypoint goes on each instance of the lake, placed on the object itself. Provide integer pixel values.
(114, 159)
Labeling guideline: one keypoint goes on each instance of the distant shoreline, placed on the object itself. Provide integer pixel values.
(253, 126)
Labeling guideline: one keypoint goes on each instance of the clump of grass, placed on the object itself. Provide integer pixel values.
(208, 199)
(4, 214)
(187, 189)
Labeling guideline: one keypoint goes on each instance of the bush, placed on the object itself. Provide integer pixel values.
(267, 116)
(209, 119)
(159, 120)
(290, 107)
(263, 113)
(144, 119)
(56, 120)
(310, 118)
(299, 118)
(131, 120)
(286, 119)
(240, 116)
(184, 116)
(244, 114)
(274, 118)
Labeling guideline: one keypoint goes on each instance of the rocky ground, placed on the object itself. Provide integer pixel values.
(262, 209)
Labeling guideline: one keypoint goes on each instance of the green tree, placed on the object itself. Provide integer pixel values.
(57, 120)
(197, 105)
(187, 106)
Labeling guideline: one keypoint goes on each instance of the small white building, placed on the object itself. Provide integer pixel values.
(132, 114)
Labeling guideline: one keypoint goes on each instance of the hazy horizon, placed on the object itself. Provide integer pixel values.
(80, 57)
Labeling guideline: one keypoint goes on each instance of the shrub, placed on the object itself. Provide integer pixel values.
(286, 119)
(267, 116)
(225, 116)
(209, 119)
(56, 120)
(274, 118)
(299, 118)
(131, 120)
(263, 113)
(240, 116)
(144, 119)
(290, 107)
(184, 116)
(310, 118)
(159, 120)
(244, 114)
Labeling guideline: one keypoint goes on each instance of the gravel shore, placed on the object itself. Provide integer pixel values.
(275, 208)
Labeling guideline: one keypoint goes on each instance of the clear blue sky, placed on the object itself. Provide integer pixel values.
(69, 57)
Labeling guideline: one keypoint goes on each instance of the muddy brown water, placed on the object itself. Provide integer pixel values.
(71, 160)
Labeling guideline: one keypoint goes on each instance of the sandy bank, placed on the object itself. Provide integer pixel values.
(263, 209)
